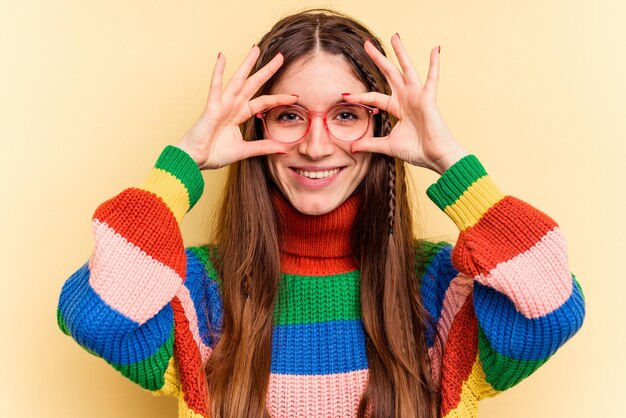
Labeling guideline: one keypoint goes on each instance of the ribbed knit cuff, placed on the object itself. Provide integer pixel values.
(177, 180)
(465, 191)
(180, 164)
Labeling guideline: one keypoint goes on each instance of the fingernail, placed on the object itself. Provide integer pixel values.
(439, 50)
(398, 35)
(253, 45)
(219, 54)
(291, 94)
(345, 94)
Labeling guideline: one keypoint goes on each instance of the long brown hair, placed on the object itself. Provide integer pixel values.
(248, 260)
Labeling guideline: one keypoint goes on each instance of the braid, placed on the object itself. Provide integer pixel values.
(392, 193)
(383, 128)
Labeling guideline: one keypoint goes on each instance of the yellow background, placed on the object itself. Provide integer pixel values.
(91, 91)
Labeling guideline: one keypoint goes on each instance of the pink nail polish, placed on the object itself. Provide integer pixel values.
(345, 94)
(219, 54)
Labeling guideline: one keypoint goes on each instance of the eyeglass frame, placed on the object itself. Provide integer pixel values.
(371, 111)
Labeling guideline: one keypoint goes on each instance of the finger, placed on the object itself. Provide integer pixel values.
(379, 145)
(262, 147)
(240, 76)
(254, 83)
(215, 88)
(390, 71)
(410, 74)
(433, 70)
(372, 98)
(262, 103)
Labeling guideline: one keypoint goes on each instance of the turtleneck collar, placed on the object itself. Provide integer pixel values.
(316, 237)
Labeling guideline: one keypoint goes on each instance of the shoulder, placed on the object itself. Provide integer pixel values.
(435, 272)
(200, 261)
(202, 279)
(204, 288)
(432, 258)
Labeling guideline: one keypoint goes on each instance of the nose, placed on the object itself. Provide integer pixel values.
(317, 143)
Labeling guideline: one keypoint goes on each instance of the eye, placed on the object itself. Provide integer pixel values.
(348, 114)
(286, 116)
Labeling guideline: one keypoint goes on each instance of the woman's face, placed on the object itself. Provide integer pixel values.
(318, 173)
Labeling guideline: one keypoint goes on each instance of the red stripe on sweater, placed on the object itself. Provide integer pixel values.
(509, 228)
(305, 266)
(459, 356)
(191, 373)
(143, 219)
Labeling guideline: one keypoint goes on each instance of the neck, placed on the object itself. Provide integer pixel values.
(316, 245)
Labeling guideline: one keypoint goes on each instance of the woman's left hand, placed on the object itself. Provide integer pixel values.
(420, 136)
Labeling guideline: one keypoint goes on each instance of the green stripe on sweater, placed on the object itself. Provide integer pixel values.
(177, 162)
(61, 323)
(503, 372)
(150, 373)
(455, 180)
(309, 299)
(424, 254)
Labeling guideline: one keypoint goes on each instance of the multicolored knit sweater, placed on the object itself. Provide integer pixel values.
(503, 298)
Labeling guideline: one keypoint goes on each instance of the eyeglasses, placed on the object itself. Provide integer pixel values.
(344, 121)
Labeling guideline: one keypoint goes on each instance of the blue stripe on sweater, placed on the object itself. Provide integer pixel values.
(513, 335)
(106, 332)
(319, 348)
(206, 299)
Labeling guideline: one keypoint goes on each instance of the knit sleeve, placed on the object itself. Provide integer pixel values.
(121, 305)
(503, 298)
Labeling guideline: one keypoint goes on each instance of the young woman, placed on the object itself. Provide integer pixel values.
(316, 299)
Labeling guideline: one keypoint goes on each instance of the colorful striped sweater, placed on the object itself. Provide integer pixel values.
(503, 297)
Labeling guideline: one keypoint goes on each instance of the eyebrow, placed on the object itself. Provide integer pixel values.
(336, 102)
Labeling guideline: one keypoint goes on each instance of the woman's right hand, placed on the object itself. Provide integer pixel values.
(215, 139)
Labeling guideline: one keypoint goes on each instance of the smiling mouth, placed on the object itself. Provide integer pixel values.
(317, 174)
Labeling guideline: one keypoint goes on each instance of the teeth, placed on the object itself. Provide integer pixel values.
(317, 174)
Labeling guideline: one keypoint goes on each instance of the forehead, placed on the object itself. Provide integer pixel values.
(319, 79)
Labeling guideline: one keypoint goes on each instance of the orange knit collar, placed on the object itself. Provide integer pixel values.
(312, 236)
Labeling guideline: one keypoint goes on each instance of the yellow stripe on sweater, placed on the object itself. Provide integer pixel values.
(477, 381)
(185, 412)
(170, 189)
(474, 202)
(467, 407)
(172, 385)
(473, 390)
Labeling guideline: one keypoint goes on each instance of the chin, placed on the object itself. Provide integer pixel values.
(318, 205)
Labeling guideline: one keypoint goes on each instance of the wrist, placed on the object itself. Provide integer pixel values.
(449, 159)
(183, 145)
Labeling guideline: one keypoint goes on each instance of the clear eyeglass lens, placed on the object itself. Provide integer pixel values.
(346, 122)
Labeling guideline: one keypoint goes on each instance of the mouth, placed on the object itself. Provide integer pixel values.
(316, 177)
(321, 174)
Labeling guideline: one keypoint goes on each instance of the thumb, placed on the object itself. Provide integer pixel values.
(262, 147)
(379, 145)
